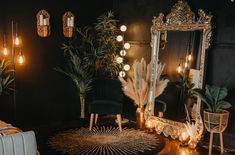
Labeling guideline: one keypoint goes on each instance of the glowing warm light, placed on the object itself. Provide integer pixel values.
(119, 59)
(123, 52)
(122, 74)
(185, 64)
(183, 137)
(119, 38)
(123, 28)
(21, 59)
(127, 46)
(126, 67)
(149, 124)
(179, 69)
(5, 51)
(190, 57)
(17, 41)
(183, 152)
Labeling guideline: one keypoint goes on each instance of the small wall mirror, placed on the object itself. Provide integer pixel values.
(180, 40)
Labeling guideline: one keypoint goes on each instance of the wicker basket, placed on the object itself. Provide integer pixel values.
(216, 122)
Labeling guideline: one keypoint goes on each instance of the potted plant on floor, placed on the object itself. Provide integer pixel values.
(79, 75)
(215, 117)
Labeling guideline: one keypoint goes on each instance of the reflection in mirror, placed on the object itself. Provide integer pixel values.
(181, 55)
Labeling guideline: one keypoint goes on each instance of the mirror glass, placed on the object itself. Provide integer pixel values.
(181, 54)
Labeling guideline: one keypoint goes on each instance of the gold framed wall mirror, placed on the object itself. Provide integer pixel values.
(186, 34)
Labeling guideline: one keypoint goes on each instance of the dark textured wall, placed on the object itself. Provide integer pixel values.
(43, 95)
(221, 56)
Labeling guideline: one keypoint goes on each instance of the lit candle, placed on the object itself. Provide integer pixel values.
(71, 21)
(149, 124)
(46, 21)
(189, 57)
(40, 20)
(5, 52)
(68, 22)
(183, 137)
(179, 69)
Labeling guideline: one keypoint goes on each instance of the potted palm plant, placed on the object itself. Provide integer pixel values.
(6, 79)
(215, 116)
(79, 75)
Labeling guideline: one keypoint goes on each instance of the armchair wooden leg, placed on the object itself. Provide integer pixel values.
(91, 121)
(119, 118)
(96, 118)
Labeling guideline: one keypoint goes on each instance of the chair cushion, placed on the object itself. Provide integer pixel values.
(105, 107)
(22, 143)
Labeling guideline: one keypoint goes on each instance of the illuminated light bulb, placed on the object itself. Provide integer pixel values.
(123, 52)
(5, 51)
(185, 64)
(126, 67)
(190, 57)
(119, 59)
(122, 74)
(179, 69)
(17, 41)
(127, 46)
(119, 38)
(21, 59)
(123, 28)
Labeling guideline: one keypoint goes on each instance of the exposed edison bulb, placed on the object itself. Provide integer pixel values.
(122, 74)
(127, 46)
(126, 67)
(5, 51)
(119, 60)
(190, 57)
(179, 69)
(21, 59)
(185, 64)
(123, 52)
(123, 28)
(17, 41)
(119, 38)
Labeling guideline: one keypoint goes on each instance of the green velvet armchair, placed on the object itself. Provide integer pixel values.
(107, 99)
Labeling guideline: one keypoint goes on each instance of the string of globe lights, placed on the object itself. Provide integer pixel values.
(125, 46)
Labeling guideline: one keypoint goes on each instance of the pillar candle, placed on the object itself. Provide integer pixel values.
(68, 21)
(71, 21)
(40, 19)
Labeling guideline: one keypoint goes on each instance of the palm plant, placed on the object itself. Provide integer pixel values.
(79, 75)
(6, 78)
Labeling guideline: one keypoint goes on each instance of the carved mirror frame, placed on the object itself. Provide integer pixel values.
(181, 18)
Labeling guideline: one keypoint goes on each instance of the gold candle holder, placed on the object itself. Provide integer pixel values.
(68, 24)
(43, 23)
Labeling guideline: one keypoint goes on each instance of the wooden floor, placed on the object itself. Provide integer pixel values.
(169, 146)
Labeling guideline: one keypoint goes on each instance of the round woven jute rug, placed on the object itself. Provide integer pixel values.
(104, 141)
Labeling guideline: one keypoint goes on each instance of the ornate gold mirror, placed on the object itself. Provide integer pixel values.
(192, 33)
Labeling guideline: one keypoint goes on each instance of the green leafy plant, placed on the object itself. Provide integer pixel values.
(79, 75)
(97, 47)
(6, 78)
(91, 51)
(213, 97)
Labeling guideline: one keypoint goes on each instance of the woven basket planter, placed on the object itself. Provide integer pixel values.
(216, 122)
